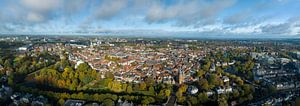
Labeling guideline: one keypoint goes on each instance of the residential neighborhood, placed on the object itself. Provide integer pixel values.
(123, 71)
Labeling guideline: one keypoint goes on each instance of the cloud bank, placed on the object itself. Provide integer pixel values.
(201, 17)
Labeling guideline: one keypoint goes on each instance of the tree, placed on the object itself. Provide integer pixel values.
(64, 62)
(167, 92)
(81, 75)
(129, 89)
(10, 80)
(202, 97)
(219, 70)
(61, 102)
(124, 87)
(87, 79)
(213, 80)
(200, 73)
(247, 88)
(65, 74)
(74, 84)
(116, 86)
(94, 74)
(80, 95)
(108, 102)
(235, 93)
(149, 81)
(182, 88)
(110, 85)
(1, 61)
(178, 95)
(68, 71)
(109, 75)
(145, 102)
(83, 67)
(193, 100)
(239, 81)
(61, 83)
(206, 66)
(203, 83)
(151, 90)
(143, 86)
(7, 64)
(222, 102)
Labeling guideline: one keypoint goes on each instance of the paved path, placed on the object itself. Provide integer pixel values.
(171, 101)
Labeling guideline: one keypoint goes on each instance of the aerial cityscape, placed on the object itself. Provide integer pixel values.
(149, 53)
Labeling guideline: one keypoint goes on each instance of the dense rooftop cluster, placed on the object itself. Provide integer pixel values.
(132, 71)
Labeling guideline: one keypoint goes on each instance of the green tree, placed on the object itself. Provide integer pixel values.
(74, 84)
(193, 100)
(116, 86)
(61, 102)
(149, 81)
(109, 75)
(7, 64)
(203, 83)
(124, 87)
(213, 80)
(143, 86)
(202, 97)
(1, 61)
(182, 88)
(239, 81)
(200, 73)
(222, 102)
(83, 67)
(66, 72)
(129, 89)
(151, 90)
(247, 88)
(235, 93)
(108, 102)
(207, 66)
(10, 80)
(145, 102)
(167, 92)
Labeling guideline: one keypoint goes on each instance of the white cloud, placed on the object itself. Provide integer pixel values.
(34, 17)
(41, 5)
(73, 6)
(109, 8)
(290, 27)
(193, 12)
(193, 16)
(38, 10)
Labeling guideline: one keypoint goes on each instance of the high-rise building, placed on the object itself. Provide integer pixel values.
(180, 76)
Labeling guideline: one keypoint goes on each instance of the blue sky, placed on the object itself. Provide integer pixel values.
(249, 18)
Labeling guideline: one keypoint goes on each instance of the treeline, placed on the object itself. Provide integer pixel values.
(66, 78)
(107, 99)
(17, 67)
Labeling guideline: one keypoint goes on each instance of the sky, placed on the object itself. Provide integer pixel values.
(186, 18)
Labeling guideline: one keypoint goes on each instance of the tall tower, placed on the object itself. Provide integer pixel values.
(180, 76)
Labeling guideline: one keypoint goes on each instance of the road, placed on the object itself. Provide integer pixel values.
(171, 101)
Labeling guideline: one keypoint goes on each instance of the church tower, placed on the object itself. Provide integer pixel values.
(180, 76)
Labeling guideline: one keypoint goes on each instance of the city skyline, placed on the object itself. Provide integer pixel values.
(195, 18)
